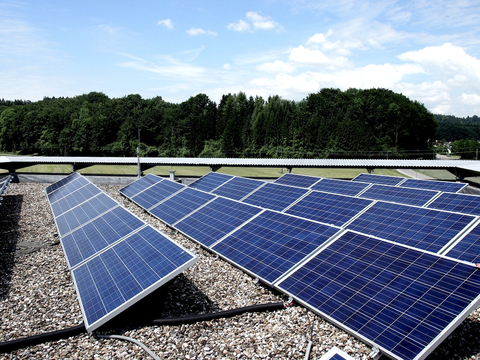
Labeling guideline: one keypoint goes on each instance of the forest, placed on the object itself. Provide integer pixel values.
(331, 123)
(451, 128)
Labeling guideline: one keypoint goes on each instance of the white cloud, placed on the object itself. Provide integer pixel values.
(276, 67)
(306, 56)
(257, 21)
(199, 31)
(240, 26)
(448, 61)
(227, 66)
(167, 23)
(470, 99)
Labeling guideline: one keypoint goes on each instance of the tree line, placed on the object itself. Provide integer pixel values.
(330, 123)
(451, 128)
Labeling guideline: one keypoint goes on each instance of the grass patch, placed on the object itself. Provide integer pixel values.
(47, 168)
(179, 170)
(439, 174)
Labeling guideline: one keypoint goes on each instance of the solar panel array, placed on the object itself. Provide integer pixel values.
(4, 182)
(115, 258)
(371, 265)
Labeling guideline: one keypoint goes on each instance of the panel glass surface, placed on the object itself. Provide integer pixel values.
(140, 185)
(131, 268)
(180, 205)
(468, 249)
(421, 228)
(157, 193)
(407, 196)
(443, 186)
(275, 197)
(67, 189)
(215, 220)
(302, 181)
(83, 213)
(62, 182)
(77, 197)
(398, 298)
(466, 204)
(328, 208)
(272, 243)
(379, 179)
(98, 234)
(340, 187)
(210, 181)
(238, 188)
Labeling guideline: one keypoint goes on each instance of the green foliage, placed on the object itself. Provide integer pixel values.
(467, 149)
(331, 123)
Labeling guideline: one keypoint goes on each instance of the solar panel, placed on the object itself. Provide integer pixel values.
(328, 208)
(180, 205)
(379, 179)
(340, 187)
(238, 188)
(303, 181)
(98, 234)
(407, 196)
(400, 299)
(275, 197)
(213, 221)
(4, 182)
(465, 204)
(121, 275)
(62, 182)
(66, 189)
(336, 354)
(210, 181)
(157, 193)
(468, 248)
(272, 243)
(115, 258)
(83, 213)
(140, 185)
(75, 198)
(443, 186)
(421, 228)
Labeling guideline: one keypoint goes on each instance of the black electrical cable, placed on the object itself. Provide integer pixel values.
(218, 315)
(79, 329)
(41, 338)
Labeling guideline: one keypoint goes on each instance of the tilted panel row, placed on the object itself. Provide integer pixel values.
(115, 258)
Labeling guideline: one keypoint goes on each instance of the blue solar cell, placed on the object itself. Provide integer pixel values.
(379, 179)
(468, 249)
(180, 205)
(421, 228)
(210, 181)
(215, 220)
(62, 182)
(407, 196)
(328, 208)
(302, 181)
(157, 193)
(272, 243)
(126, 272)
(98, 234)
(340, 187)
(83, 213)
(237, 188)
(77, 197)
(67, 189)
(443, 186)
(401, 299)
(465, 204)
(275, 197)
(140, 185)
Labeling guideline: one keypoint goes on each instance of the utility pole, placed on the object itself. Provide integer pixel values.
(138, 156)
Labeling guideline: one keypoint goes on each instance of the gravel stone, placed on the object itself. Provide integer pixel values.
(37, 296)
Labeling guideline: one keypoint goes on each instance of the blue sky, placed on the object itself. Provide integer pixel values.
(426, 50)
